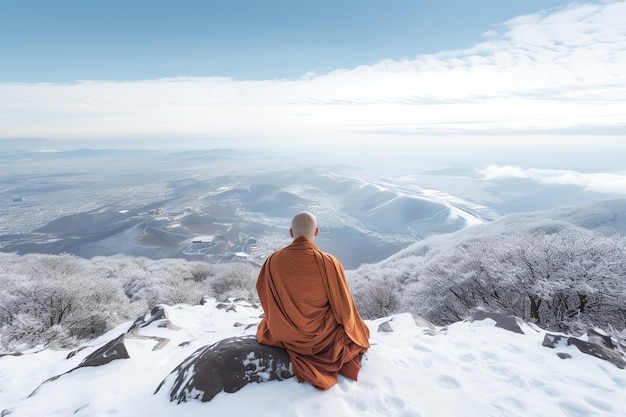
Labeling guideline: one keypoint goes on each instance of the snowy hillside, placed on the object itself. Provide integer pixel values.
(466, 369)
(605, 217)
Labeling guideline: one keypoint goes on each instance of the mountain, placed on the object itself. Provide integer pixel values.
(606, 217)
(212, 206)
(481, 367)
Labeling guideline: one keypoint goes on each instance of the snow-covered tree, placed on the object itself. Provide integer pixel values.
(554, 279)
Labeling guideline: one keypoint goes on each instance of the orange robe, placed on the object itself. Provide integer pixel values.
(310, 312)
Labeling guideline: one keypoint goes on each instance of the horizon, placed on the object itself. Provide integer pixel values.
(510, 91)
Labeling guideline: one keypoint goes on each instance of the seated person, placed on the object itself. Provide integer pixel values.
(309, 310)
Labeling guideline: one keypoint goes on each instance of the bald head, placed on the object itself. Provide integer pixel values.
(304, 224)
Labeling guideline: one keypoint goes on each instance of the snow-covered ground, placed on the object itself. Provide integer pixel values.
(467, 369)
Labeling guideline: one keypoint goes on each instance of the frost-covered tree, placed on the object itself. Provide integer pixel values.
(557, 280)
(375, 292)
(235, 280)
(57, 298)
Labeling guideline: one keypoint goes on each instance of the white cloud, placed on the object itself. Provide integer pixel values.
(550, 71)
(598, 182)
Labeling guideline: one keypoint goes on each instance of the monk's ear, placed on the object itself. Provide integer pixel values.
(291, 232)
(317, 231)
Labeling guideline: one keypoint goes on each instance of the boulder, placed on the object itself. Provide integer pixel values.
(595, 346)
(385, 327)
(157, 313)
(553, 340)
(598, 337)
(509, 323)
(115, 349)
(228, 366)
(599, 351)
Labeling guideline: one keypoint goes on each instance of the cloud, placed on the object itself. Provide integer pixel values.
(552, 71)
(598, 182)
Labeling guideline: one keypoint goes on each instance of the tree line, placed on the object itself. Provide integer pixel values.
(566, 279)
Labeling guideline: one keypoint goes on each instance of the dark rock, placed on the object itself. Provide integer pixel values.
(11, 354)
(239, 324)
(385, 327)
(227, 306)
(552, 340)
(505, 322)
(157, 313)
(227, 365)
(113, 350)
(599, 351)
(600, 338)
(564, 355)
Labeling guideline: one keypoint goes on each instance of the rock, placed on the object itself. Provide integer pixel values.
(113, 350)
(157, 313)
(599, 351)
(11, 354)
(227, 365)
(564, 355)
(385, 327)
(227, 306)
(598, 337)
(552, 340)
(509, 323)
(248, 326)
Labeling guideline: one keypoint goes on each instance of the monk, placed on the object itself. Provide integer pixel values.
(309, 310)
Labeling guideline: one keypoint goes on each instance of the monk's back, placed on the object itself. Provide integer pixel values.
(298, 276)
(305, 315)
(309, 311)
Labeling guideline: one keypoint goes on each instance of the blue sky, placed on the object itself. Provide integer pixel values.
(70, 40)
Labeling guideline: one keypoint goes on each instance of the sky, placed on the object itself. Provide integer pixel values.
(379, 74)
(469, 368)
(69, 40)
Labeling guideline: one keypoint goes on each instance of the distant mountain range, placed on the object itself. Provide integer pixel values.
(224, 205)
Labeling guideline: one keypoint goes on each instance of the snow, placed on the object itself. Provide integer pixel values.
(204, 239)
(466, 369)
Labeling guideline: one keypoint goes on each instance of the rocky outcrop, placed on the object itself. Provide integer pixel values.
(228, 366)
(116, 349)
(509, 323)
(598, 347)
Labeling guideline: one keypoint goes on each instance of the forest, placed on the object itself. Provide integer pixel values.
(562, 279)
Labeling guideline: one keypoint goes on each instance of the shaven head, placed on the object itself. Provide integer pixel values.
(304, 224)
